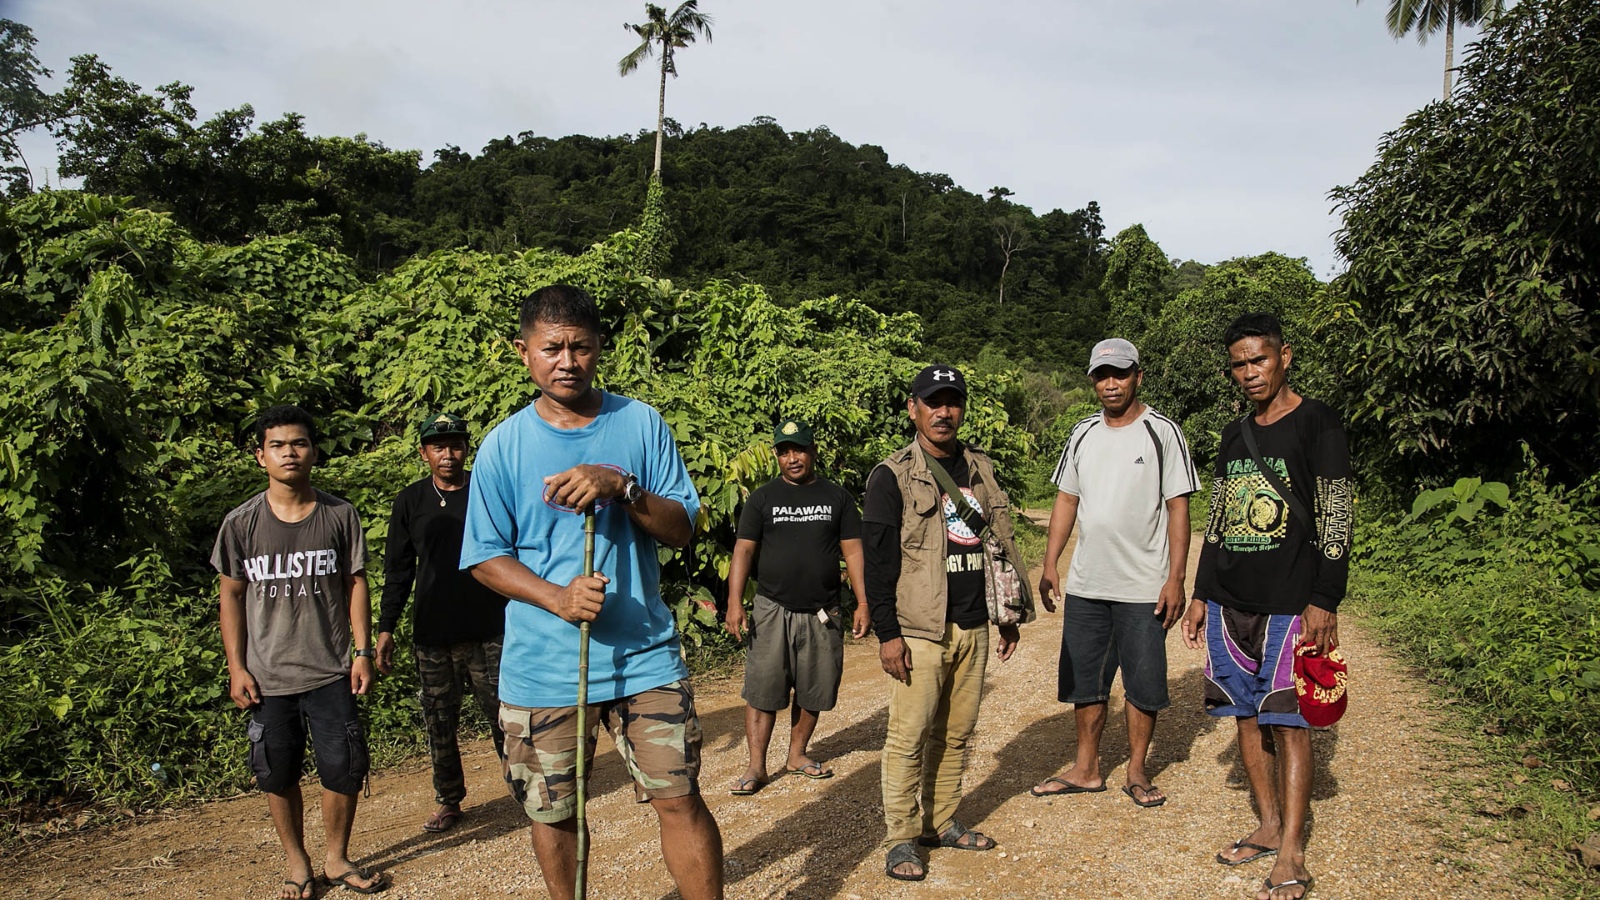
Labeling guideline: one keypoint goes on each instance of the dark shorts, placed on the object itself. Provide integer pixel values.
(792, 651)
(1100, 636)
(278, 729)
(1250, 666)
(657, 735)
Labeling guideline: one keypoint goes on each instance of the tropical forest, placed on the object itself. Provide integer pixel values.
(197, 269)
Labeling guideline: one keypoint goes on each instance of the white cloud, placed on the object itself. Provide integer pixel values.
(1221, 125)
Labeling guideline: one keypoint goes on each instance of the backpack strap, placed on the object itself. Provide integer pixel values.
(1296, 505)
(964, 510)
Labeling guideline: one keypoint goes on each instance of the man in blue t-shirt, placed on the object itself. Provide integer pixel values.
(535, 473)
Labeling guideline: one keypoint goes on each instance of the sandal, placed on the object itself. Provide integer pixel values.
(899, 855)
(744, 787)
(1242, 844)
(813, 770)
(1142, 798)
(440, 822)
(377, 881)
(1306, 883)
(954, 835)
(300, 888)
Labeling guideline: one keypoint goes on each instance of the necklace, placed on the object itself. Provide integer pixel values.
(436, 491)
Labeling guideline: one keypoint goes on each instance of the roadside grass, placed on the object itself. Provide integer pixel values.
(1491, 649)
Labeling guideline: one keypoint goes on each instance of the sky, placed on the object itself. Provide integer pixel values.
(1218, 125)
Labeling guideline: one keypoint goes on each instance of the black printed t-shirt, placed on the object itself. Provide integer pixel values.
(963, 551)
(799, 527)
(1258, 556)
(424, 548)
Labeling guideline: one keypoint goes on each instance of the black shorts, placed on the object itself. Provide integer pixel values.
(278, 728)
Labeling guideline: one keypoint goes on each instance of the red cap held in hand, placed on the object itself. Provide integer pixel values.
(1319, 681)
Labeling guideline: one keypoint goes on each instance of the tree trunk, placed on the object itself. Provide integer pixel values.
(661, 108)
(1449, 49)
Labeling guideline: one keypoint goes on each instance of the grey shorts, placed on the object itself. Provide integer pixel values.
(1098, 637)
(791, 651)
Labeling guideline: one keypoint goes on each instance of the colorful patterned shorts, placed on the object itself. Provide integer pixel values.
(1250, 666)
(657, 735)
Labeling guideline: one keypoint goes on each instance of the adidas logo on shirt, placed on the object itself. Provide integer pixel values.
(1139, 461)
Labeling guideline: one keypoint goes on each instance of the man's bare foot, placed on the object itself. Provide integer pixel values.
(1288, 881)
(354, 877)
(1064, 784)
(443, 819)
(809, 768)
(300, 884)
(1255, 845)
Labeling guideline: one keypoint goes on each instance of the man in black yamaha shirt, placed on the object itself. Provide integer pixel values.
(457, 623)
(801, 526)
(1272, 572)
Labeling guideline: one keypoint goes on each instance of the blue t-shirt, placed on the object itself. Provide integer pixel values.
(634, 642)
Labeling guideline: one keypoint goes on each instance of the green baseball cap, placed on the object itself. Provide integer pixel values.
(793, 431)
(441, 425)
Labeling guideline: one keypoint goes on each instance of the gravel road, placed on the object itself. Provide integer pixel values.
(1391, 811)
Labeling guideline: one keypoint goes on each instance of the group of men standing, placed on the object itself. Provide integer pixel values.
(920, 560)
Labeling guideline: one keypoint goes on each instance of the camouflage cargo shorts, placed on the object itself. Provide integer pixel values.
(657, 735)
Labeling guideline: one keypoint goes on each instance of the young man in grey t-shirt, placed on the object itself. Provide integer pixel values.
(292, 561)
(1125, 475)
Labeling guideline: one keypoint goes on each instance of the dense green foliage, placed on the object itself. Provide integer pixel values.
(135, 356)
(1470, 303)
(1496, 592)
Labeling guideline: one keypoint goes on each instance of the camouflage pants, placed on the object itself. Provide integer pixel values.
(657, 735)
(443, 671)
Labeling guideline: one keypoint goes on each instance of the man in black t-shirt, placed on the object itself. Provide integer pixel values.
(457, 623)
(927, 594)
(793, 530)
(1272, 572)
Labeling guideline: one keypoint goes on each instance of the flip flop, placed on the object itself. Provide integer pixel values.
(1146, 790)
(300, 886)
(740, 790)
(1306, 883)
(380, 881)
(1242, 844)
(440, 822)
(1067, 787)
(813, 771)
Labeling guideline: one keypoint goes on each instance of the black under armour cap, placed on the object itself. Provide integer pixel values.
(936, 378)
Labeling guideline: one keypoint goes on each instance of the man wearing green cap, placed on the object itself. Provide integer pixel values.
(457, 623)
(800, 525)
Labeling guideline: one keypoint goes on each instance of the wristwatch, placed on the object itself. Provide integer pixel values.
(631, 491)
(368, 653)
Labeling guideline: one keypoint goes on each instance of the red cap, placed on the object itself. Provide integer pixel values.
(1319, 681)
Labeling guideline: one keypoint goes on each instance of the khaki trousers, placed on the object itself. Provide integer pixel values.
(930, 721)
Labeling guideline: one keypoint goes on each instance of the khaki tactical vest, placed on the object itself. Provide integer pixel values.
(922, 594)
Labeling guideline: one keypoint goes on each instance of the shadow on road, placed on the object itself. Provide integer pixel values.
(844, 822)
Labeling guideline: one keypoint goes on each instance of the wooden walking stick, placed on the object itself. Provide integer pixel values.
(581, 884)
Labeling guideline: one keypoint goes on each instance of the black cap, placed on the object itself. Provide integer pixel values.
(936, 378)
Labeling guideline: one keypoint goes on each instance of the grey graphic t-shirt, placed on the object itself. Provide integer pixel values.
(296, 610)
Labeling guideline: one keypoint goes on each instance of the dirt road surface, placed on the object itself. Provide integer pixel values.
(1389, 818)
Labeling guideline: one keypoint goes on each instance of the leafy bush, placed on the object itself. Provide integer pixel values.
(135, 356)
(1493, 590)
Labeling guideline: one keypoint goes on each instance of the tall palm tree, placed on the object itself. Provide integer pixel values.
(1428, 16)
(671, 33)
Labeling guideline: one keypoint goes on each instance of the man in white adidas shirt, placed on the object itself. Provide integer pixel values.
(1125, 474)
